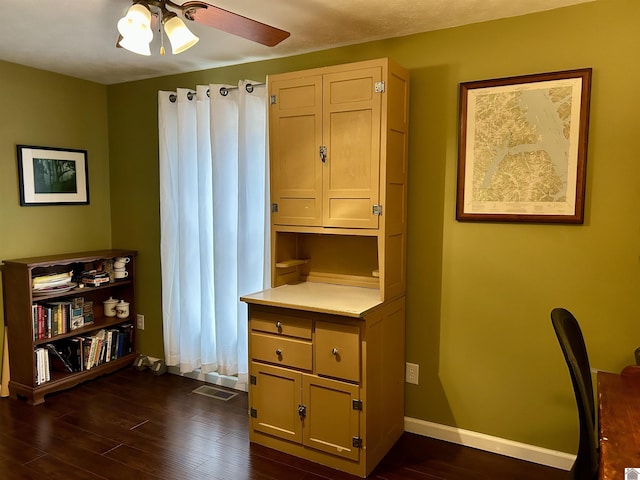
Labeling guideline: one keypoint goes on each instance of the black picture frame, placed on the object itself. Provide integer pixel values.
(52, 176)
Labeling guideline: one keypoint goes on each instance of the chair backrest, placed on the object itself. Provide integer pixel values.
(575, 353)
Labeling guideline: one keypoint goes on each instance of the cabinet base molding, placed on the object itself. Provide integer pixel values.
(363, 468)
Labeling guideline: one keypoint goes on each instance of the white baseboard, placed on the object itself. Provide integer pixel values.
(213, 378)
(509, 448)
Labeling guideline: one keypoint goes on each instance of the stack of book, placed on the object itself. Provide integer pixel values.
(84, 352)
(54, 318)
(95, 278)
(52, 283)
(42, 370)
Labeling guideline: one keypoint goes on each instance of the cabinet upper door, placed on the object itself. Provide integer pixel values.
(351, 134)
(295, 137)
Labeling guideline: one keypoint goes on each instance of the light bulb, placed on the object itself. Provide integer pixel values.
(136, 23)
(135, 45)
(179, 35)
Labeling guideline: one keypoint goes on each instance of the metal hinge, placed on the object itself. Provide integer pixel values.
(379, 87)
(274, 208)
(377, 210)
(252, 379)
(356, 442)
(254, 413)
(273, 100)
(357, 405)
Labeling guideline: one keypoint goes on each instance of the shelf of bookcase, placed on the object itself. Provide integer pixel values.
(98, 324)
(79, 291)
(62, 381)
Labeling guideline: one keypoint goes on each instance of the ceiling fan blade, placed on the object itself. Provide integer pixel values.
(233, 23)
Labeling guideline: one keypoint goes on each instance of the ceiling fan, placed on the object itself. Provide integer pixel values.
(136, 27)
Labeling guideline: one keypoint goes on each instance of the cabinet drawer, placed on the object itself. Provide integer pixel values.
(337, 351)
(283, 351)
(281, 324)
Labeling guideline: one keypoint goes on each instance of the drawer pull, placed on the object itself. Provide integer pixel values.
(279, 325)
(278, 351)
(334, 351)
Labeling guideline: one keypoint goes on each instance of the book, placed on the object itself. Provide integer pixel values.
(114, 343)
(77, 319)
(71, 350)
(107, 350)
(42, 374)
(86, 351)
(57, 360)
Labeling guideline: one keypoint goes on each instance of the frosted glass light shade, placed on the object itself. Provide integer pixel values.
(136, 23)
(179, 35)
(136, 45)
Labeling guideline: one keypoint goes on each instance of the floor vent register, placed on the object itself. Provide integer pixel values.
(216, 393)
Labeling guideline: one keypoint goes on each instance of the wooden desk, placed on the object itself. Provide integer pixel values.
(619, 419)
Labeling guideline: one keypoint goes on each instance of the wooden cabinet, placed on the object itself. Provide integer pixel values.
(325, 146)
(25, 336)
(338, 154)
(325, 386)
(326, 342)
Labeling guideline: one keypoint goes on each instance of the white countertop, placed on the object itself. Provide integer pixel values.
(319, 297)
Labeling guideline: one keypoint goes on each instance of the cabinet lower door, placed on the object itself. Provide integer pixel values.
(275, 399)
(331, 424)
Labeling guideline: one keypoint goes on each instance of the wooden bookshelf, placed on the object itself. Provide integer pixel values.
(24, 338)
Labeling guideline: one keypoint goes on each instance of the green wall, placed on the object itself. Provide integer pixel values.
(46, 109)
(478, 295)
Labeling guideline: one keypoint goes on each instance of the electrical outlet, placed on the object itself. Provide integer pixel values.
(412, 373)
(140, 321)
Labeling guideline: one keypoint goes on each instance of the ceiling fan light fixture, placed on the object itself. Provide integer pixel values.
(136, 23)
(179, 35)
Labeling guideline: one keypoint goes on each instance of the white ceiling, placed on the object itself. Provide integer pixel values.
(77, 37)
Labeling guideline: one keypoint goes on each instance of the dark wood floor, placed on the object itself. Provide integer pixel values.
(135, 425)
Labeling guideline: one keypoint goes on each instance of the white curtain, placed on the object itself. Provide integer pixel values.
(214, 222)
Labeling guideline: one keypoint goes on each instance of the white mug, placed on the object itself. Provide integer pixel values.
(123, 259)
(121, 273)
(119, 265)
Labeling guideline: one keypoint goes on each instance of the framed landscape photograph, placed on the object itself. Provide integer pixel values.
(522, 149)
(52, 176)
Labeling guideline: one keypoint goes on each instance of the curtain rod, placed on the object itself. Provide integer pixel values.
(224, 91)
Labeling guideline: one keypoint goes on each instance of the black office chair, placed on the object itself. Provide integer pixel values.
(575, 353)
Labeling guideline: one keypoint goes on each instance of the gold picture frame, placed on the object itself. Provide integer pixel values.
(522, 150)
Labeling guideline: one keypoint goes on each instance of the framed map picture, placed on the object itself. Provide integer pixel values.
(523, 148)
(52, 176)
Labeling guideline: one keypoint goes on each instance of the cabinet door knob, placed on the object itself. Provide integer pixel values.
(278, 351)
(334, 351)
(279, 325)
